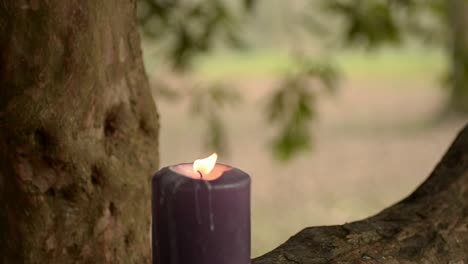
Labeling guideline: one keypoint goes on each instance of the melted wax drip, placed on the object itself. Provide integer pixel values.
(172, 226)
(210, 206)
(210, 202)
(197, 202)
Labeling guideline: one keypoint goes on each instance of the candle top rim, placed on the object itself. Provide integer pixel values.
(186, 169)
(229, 178)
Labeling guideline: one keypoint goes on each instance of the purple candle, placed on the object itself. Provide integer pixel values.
(201, 214)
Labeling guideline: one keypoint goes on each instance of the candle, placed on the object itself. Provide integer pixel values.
(201, 214)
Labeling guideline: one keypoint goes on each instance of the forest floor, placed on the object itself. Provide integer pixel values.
(376, 140)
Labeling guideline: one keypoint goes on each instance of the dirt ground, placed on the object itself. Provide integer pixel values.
(375, 142)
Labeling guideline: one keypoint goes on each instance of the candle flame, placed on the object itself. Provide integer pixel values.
(206, 165)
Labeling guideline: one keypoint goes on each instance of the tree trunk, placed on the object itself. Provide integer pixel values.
(430, 226)
(78, 133)
(459, 16)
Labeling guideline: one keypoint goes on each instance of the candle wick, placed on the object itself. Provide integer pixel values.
(201, 175)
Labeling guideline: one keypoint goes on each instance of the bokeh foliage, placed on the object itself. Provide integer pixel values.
(372, 23)
(291, 107)
(186, 29)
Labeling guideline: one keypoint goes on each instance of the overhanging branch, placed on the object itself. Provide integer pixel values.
(429, 226)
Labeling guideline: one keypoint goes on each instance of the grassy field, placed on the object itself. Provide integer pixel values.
(374, 141)
(385, 63)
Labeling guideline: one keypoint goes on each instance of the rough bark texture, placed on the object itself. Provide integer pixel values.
(78, 133)
(459, 22)
(430, 226)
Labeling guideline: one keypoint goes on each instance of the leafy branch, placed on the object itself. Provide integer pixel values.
(292, 107)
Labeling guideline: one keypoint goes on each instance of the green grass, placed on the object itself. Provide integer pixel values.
(390, 63)
(224, 65)
(386, 63)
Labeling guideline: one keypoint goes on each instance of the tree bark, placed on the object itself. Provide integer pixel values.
(78, 133)
(430, 226)
(459, 18)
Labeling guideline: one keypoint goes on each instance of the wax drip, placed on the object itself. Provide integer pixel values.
(210, 202)
(210, 205)
(197, 202)
(161, 199)
(171, 220)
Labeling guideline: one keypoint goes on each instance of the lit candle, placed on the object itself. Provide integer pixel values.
(201, 214)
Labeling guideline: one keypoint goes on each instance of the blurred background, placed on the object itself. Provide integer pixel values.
(337, 109)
